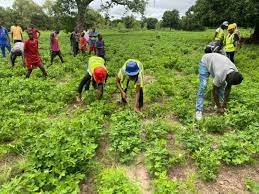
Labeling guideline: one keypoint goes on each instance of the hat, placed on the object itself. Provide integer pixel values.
(231, 26)
(225, 23)
(132, 69)
(235, 78)
(100, 74)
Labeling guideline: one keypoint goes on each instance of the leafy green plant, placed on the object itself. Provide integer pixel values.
(114, 180)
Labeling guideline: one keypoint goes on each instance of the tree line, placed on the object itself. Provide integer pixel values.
(66, 14)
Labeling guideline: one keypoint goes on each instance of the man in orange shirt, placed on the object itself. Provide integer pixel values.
(16, 32)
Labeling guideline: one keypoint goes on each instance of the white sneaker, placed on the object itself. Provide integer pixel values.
(198, 115)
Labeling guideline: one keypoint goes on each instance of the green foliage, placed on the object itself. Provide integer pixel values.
(124, 135)
(151, 23)
(114, 180)
(252, 186)
(171, 19)
(163, 185)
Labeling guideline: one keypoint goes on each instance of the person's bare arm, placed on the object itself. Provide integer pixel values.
(38, 34)
(99, 91)
(137, 95)
(215, 92)
(123, 94)
(226, 95)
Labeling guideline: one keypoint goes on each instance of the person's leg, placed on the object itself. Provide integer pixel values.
(203, 76)
(3, 50)
(8, 46)
(52, 56)
(94, 84)
(222, 93)
(13, 58)
(28, 73)
(141, 98)
(84, 82)
(232, 56)
(60, 56)
(44, 72)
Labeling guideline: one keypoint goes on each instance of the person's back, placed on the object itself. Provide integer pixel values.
(218, 66)
(54, 42)
(18, 46)
(16, 32)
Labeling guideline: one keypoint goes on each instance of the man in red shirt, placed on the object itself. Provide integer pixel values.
(34, 31)
(54, 47)
(32, 56)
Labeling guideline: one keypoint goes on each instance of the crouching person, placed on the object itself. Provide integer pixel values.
(96, 74)
(32, 56)
(17, 50)
(225, 75)
(132, 70)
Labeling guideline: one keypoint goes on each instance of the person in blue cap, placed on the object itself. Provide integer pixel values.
(132, 70)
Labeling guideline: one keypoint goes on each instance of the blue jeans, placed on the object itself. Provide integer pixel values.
(204, 77)
(8, 46)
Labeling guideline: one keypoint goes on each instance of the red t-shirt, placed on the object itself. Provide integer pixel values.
(54, 42)
(34, 31)
(31, 53)
(83, 42)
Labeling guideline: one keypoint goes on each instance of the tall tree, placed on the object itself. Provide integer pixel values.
(151, 23)
(78, 7)
(171, 19)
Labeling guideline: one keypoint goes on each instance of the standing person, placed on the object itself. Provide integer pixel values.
(92, 41)
(54, 47)
(100, 47)
(32, 56)
(225, 75)
(74, 41)
(4, 40)
(35, 32)
(231, 42)
(17, 50)
(97, 74)
(220, 34)
(132, 70)
(83, 43)
(16, 32)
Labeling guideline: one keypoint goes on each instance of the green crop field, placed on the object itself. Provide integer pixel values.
(49, 143)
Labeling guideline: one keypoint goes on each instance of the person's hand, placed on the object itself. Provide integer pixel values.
(136, 109)
(78, 99)
(221, 110)
(124, 97)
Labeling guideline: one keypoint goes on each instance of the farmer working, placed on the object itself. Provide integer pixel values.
(132, 70)
(35, 32)
(4, 40)
(17, 50)
(97, 74)
(231, 42)
(32, 56)
(54, 47)
(16, 32)
(220, 35)
(225, 75)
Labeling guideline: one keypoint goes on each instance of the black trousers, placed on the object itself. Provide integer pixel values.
(231, 56)
(14, 41)
(13, 56)
(53, 54)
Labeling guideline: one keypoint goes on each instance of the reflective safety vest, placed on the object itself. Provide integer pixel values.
(220, 34)
(229, 43)
(95, 62)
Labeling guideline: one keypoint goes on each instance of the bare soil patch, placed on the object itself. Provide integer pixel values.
(230, 180)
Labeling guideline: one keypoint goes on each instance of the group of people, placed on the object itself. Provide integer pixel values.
(218, 62)
(220, 66)
(87, 41)
(227, 43)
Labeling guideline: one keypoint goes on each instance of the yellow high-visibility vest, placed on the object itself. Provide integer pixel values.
(220, 34)
(95, 62)
(229, 43)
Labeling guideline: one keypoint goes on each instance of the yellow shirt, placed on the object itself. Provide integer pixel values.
(17, 31)
(95, 62)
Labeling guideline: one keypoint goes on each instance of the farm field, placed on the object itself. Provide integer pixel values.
(49, 143)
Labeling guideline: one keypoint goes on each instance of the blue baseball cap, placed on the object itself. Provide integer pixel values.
(132, 68)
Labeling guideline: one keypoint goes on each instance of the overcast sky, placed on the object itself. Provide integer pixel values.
(154, 9)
